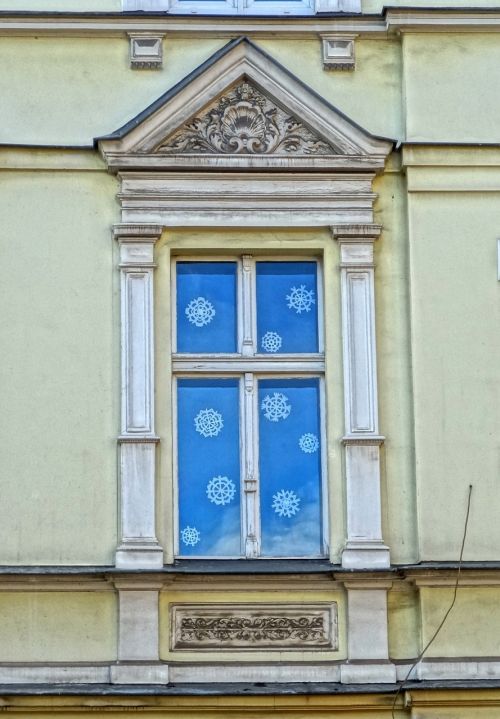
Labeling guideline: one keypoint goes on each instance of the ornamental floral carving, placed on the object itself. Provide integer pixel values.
(253, 628)
(244, 121)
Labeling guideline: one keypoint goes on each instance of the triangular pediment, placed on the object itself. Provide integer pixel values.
(245, 121)
(242, 109)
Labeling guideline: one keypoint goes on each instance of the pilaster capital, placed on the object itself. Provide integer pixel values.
(137, 244)
(136, 232)
(355, 232)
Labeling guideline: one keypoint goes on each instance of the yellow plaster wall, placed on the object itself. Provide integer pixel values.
(394, 369)
(68, 90)
(60, 367)
(451, 86)
(403, 617)
(470, 630)
(255, 596)
(455, 316)
(371, 95)
(58, 626)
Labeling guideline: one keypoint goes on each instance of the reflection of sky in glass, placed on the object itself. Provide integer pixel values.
(215, 282)
(275, 282)
(284, 466)
(201, 458)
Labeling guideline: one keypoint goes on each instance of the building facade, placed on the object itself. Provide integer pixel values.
(250, 284)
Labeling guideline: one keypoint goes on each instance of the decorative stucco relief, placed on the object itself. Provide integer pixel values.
(244, 121)
(254, 627)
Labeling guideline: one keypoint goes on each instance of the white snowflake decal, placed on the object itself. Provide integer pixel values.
(309, 443)
(286, 503)
(301, 299)
(221, 490)
(190, 536)
(208, 422)
(276, 407)
(200, 312)
(271, 342)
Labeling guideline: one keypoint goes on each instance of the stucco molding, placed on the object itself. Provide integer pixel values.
(141, 143)
(365, 546)
(139, 546)
(390, 23)
(300, 163)
(275, 627)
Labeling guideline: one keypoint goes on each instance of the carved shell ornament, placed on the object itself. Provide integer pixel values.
(244, 121)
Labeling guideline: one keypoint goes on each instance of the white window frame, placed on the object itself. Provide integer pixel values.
(243, 7)
(249, 366)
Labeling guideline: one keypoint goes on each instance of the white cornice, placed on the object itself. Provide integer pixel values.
(393, 22)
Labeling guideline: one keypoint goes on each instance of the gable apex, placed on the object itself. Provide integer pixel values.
(241, 109)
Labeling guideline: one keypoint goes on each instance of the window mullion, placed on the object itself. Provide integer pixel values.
(250, 468)
(248, 306)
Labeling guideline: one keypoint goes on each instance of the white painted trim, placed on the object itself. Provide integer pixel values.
(347, 672)
(369, 673)
(338, 51)
(131, 673)
(250, 500)
(440, 20)
(139, 547)
(54, 673)
(281, 672)
(138, 624)
(364, 544)
(253, 200)
(228, 7)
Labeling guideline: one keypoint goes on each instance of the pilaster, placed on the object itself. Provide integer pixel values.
(138, 635)
(364, 547)
(367, 634)
(139, 547)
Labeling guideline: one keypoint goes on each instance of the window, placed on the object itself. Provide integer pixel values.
(224, 7)
(248, 369)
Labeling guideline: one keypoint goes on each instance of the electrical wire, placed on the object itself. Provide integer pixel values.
(447, 613)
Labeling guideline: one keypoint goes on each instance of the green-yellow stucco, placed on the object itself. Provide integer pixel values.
(58, 626)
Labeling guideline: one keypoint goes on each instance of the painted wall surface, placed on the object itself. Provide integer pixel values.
(394, 369)
(468, 630)
(403, 610)
(371, 96)
(455, 347)
(451, 87)
(76, 89)
(57, 626)
(60, 365)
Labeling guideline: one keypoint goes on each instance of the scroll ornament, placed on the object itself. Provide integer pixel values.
(244, 121)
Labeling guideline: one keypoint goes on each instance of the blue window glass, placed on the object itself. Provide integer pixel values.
(206, 307)
(290, 467)
(287, 307)
(209, 467)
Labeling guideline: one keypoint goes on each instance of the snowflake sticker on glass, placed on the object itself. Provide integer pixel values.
(286, 503)
(276, 407)
(208, 422)
(200, 312)
(221, 490)
(309, 443)
(190, 536)
(300, 299)
(271, 342)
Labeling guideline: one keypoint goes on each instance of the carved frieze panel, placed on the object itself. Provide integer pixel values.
(257, 626)
(244, 121)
